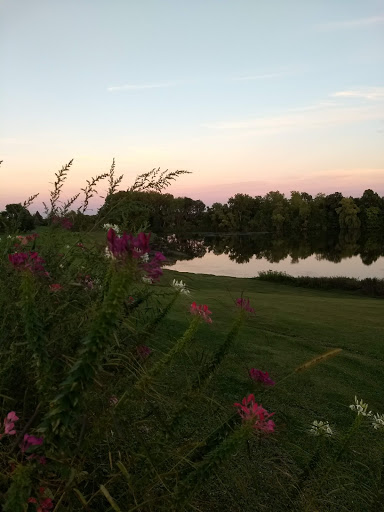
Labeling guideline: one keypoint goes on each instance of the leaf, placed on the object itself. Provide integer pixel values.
(111, 501)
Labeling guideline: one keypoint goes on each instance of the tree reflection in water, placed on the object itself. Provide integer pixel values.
(242, 248)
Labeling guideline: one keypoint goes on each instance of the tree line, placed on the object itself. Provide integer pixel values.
(273, 212)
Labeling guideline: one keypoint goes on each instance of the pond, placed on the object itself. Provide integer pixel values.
(348, 255)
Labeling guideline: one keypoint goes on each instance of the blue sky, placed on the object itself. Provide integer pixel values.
(249, 95)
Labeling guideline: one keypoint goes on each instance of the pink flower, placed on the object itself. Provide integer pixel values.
(28, 261)
(259, 376)
(55, 287)
(28, 238)
(153, 267)
(201, 310)
(43, 504)
(143, 351)
(139, 244)
(9, 424)
(135, 247)
(244, 304)
(23, 240)
(65, 223)
(29, 441)
(251, 412)
(117, 245)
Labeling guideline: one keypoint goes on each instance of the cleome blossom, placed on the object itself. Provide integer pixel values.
(180, 287)
(259, 376)
(360, 407)
(136, 247)
(24, 240)
(115, 227)
(28, 261)
(43, 504)
(29, 441)
(244, 305)
(251, 412)
(378, 422)
(201, 310)
(320, 428)
(9, 424)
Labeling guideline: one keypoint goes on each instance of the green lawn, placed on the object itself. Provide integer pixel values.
(290, 327)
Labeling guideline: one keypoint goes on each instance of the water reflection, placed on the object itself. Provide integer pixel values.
(352, 249)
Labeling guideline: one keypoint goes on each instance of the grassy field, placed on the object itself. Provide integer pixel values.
(287, 470)
(290, 327)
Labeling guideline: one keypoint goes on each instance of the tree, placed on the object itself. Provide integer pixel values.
(17, 218)
(348, 214)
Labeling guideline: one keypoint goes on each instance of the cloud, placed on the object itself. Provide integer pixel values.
(322, 113)
(351, 24)
(368, 93)
(139, 87)
(259, 77)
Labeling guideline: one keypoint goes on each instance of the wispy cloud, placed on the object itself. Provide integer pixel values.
(367, 93)
(259, 77)
(351, 24)
(139, 87)
(301, 118)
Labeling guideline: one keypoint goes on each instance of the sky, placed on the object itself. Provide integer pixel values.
(248, 95)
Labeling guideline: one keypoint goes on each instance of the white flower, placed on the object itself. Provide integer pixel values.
(181, 287)
(108, 253)
(378, 421)
(145, 257)
(112, 226)
(360, 408)
(147, 280)
(67, 247)
(319, 428)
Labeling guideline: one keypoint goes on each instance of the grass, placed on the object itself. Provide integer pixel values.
(291, 326)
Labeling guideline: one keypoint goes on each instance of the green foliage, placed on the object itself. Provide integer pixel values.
(369, 286)
(16, 218)
(19, 490)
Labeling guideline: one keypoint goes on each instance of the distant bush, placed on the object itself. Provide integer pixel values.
(369, 286)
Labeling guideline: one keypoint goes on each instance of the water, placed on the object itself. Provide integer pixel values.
(246, 256)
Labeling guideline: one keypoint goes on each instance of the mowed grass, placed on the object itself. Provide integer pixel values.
(290, 327)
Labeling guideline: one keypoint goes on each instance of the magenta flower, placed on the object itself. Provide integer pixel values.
(65, 223)
(139, 245)
(117, 245)
(259, 376)
(29, 441)
(28, 261)
(244, 305)
(9, 424)
(201, 310)
(136, 247)
(251, 412)
(143, 351)
(153, 268)
(43, 504)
